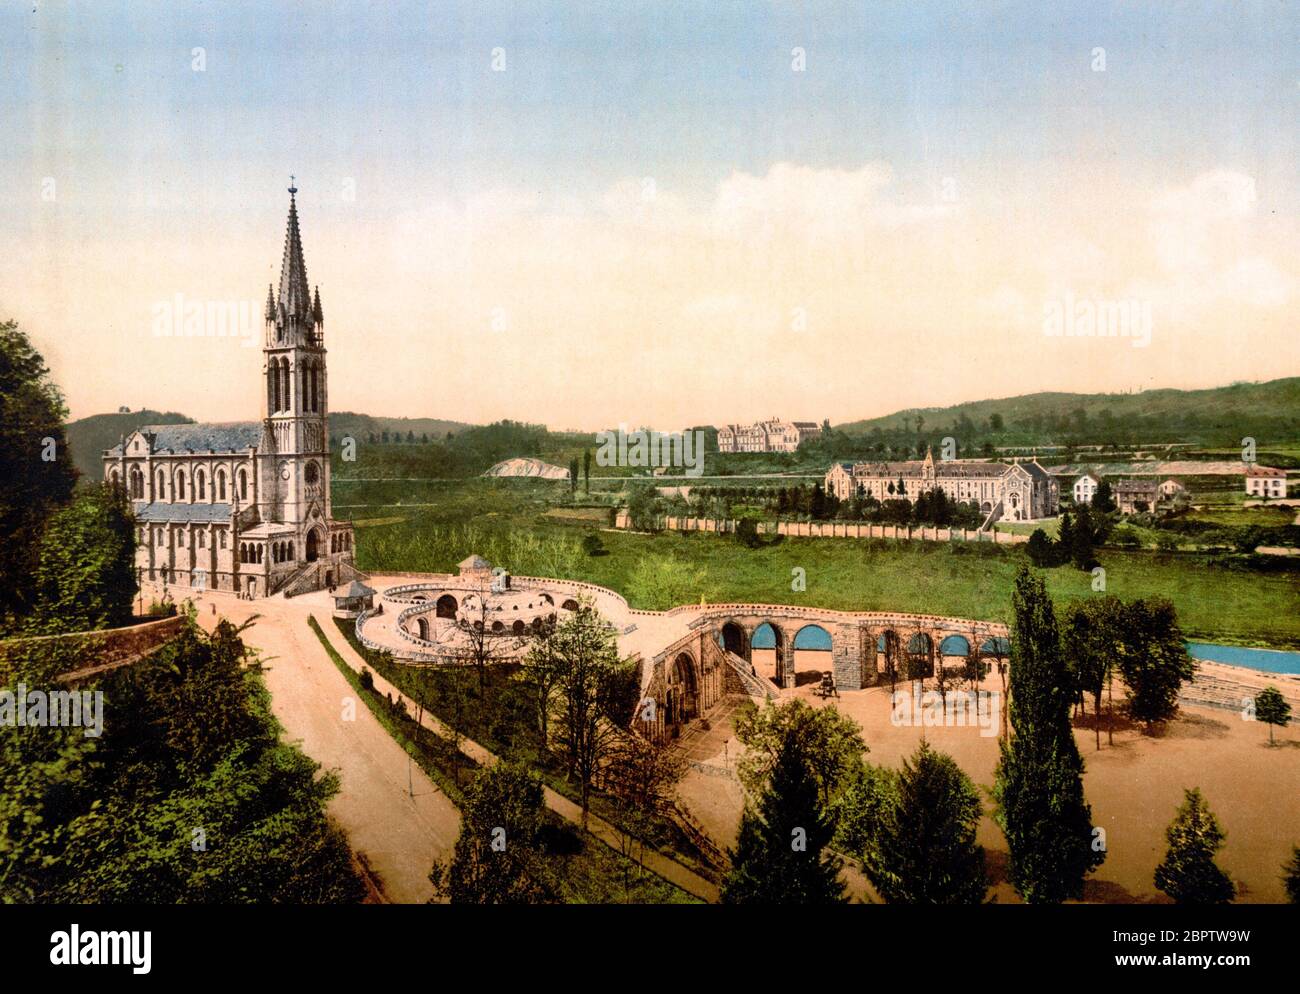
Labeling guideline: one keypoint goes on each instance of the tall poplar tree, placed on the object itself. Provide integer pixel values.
(1039, 780)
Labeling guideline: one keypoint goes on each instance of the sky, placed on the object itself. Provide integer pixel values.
(664, 214)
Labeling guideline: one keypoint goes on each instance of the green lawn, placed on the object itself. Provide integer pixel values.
(507, 522)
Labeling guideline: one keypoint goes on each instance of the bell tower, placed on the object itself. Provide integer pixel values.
(294, 459)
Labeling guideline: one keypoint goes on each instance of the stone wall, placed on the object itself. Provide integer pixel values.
(836, 529)
(77, 652)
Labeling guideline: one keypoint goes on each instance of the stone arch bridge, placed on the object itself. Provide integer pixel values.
(690, 656)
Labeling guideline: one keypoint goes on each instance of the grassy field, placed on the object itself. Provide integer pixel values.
(507, 521)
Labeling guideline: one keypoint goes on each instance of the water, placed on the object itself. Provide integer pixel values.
(1267, 660)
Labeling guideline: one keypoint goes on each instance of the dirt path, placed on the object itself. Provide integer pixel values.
(401, 835)
(672, 871)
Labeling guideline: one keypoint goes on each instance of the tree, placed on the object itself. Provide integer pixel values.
(817, 508)
(498, 856)
(586, 470)
(1064, 539)
(573, 475)
(1272, 709)
(484, 646)
(643, 508)
(642, 775)
(593, 688)
(1153, 660)
(1291, 876)
(747, 533)
(85, 578)
(925, 850)
(892, 652)
(1089, 633)
(36, 471)
(543, 667)
(780, 855)
(1103, 500)
(1038, 786)
(829, 742)
(1188, 872)
(1080, 550)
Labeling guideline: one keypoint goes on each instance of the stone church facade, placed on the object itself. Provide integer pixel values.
(1022, 491)
(245, 506)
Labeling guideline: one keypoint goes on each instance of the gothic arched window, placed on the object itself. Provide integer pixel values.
(243, 484)
(284, 384)
(200, 486)
(221, 484)
(180, 484)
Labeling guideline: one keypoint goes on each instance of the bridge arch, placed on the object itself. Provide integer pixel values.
(732, 638)
(920, 656)
(446, 606)
(681, 700)
(812, 638)
(768, 635)
(955, 645)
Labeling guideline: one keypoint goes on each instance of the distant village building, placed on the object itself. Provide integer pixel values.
(1136, 496)
(1169, 489)
(1016, 492)
(1265, 481)
(245, 506)
(1085, 488)
(773, 435)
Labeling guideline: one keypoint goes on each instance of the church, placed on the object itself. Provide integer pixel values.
(245, 506)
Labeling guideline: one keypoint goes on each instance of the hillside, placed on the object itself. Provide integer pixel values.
(89, 437)
(1268, 411)
(362, 426)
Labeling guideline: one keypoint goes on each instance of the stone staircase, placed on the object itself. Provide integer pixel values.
(312, 577)
(749, 683)
(992, 516)
(1211, 690)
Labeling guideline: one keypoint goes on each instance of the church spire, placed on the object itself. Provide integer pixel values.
(295, 297)
(270, 303)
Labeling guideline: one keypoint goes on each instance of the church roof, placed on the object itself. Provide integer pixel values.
(295, 297)
(355, 589)
(161, 512)
(474, 562)
(226, 436)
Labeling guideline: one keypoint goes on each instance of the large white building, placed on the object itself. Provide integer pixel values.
(773, 435)
(245, 505)
(1265, 481)
(1017, 492)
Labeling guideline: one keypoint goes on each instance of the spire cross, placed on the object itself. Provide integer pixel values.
(293, 188)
